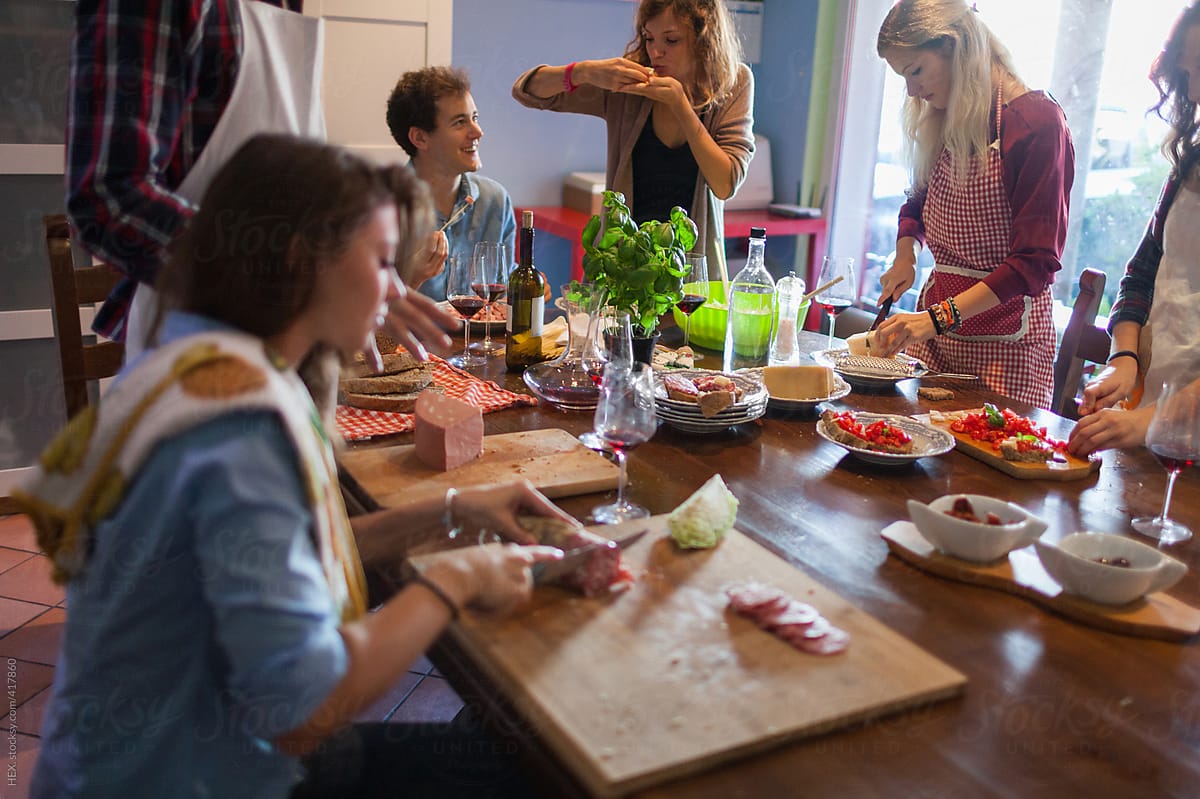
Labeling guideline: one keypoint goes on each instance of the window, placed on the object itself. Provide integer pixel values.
(1118, 167)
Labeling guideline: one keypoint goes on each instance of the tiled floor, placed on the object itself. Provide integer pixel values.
(32, 614)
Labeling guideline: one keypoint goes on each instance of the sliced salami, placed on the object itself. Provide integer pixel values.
(797, 623)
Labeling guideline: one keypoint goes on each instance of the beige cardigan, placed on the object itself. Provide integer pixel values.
(730, 124)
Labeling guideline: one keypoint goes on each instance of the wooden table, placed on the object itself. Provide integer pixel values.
(1052, 708)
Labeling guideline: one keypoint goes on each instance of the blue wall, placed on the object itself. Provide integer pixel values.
(531, 151)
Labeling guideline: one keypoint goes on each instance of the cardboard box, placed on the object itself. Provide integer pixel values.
(584, 192)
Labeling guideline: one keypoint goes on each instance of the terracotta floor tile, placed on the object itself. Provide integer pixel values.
(31, 582)
(11, 557)
(433, 700)
(30, 678)
(388, 702)
(27, 752)
(14, 613)
(29, 713)
(37, 640)
(16, 532)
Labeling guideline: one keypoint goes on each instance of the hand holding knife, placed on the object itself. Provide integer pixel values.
(883, 312)
(549, 571)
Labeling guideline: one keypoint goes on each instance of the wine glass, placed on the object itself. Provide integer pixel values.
(609, 345)
(494, 265)
(694, 293)
(1174, 439)
(463, 273)
(839, 296)
(624, 419)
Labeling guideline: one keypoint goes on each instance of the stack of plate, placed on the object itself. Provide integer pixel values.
(686, 416)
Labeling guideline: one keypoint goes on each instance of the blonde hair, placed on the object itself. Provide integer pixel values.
(715, 46)
(975, 55)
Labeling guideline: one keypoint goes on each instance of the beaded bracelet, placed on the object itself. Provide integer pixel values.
(937, 323)
(569, 85)
(955, 316)
(437, 591)
(1126, 354)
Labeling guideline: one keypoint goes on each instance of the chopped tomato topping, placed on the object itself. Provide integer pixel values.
(980, 427)
(877, 432)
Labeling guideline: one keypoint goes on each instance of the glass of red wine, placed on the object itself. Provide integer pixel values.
(462, 274)
(840, 295)
(609, 341)
(693, 293)
(1174, 439)
(494, 265)
(624, 418)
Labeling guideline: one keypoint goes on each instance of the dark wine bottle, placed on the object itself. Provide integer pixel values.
(526, 305)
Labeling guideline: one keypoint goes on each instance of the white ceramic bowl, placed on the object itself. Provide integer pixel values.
(1072, 563)
(975, 541)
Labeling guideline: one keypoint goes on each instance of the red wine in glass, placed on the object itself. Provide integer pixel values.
(1173, 460)
(467, 306)
(490, 291)
(690, 302)
(835, 307)
(623, 440)
(595, 371)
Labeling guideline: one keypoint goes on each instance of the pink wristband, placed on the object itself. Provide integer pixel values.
(569, 85)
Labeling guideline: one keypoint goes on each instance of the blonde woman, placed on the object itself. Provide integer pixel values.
(679, 108)
(993, 165)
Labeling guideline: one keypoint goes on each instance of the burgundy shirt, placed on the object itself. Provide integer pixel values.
(1038, 169)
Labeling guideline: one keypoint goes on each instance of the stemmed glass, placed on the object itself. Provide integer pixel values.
(1174, 439)
(494, 266)
(463, 273)
(609, 346)
(694, 293)
(839, 296)
(624, 419)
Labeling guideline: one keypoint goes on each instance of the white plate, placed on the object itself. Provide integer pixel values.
(478, 325)
(753, 391)
(927, 441)
(869, 371)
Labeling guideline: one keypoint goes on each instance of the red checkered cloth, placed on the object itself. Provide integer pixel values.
(356, 424)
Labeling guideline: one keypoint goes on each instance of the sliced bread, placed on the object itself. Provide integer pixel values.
(394, 403)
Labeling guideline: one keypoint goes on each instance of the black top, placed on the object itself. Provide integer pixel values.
(663, 177)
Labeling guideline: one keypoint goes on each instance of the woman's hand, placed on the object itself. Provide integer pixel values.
(493, 577)
(664, 90)
(898, 331)
(1114, 383)
(430, 260)
(610, 73)
(496, 509)
(415, 320)
(1110, 428)
(900, 277)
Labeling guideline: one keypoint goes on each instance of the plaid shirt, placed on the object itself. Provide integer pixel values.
(149, 80)
(1136, 294)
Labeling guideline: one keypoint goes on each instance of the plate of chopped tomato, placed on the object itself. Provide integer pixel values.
(883, 439)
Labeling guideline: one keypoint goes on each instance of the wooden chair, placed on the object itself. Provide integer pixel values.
(850, 321)
(1082, 342)
(73, 287)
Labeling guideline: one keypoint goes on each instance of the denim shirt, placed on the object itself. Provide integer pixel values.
(201, 628)
(490, 218)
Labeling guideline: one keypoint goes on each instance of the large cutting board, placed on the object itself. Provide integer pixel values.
(662, 681)
(1071, 469)
(1022, 574)
(553, 460)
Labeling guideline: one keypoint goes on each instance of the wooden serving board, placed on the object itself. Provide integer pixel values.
(661, 680)
(553, 460)
(1022, 574)
(1073, 469)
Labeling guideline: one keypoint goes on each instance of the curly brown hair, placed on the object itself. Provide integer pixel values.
(1173, 107)
(413, 103)
(718, 51)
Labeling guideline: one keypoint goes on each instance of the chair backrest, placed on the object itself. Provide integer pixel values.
(850, 321)
(1082, 342)
(73, 287)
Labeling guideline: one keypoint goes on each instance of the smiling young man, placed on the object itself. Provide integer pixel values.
(432, 115)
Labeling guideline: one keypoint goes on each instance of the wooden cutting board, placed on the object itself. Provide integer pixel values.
(1072, 469)
(661, 680)
(1022, 574)
(552, 459)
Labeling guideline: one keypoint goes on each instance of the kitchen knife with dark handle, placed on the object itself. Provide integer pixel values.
(883, 312)
(548, 571)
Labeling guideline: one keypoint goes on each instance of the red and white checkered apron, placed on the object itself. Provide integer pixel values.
(968, 230)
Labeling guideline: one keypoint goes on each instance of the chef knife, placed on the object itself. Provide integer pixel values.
(883, 312)
(548, 571)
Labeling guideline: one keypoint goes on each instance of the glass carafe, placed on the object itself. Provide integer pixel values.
(564, 381)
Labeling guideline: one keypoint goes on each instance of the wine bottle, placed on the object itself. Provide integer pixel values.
(526, 305)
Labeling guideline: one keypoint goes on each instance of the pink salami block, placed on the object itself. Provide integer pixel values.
(448, 431)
